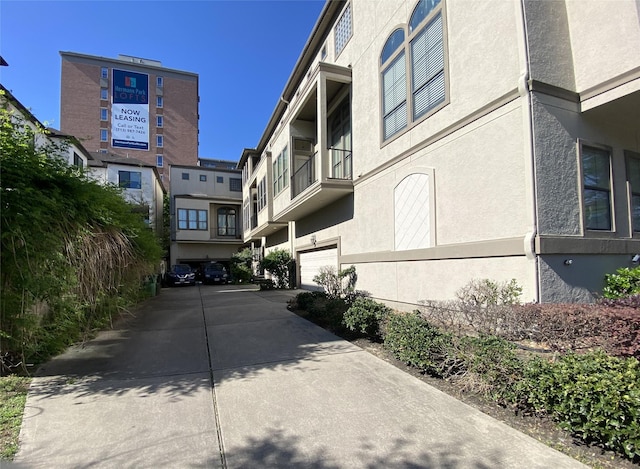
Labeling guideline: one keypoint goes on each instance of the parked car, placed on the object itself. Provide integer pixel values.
(215, 273)
(180, 274)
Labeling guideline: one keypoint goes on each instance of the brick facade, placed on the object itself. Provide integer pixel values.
(80, 106)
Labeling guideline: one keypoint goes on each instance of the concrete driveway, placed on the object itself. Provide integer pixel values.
(222, 376)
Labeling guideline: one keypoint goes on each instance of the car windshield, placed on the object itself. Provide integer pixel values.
(181, 269)
(215, 268)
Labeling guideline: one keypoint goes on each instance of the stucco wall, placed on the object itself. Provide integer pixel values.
(406, 283)
(597, 28)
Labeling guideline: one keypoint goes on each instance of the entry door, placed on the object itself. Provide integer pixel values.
(312, 262)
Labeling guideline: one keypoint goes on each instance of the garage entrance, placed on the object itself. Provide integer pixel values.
(310, 264)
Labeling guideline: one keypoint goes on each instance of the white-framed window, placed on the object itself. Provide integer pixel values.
(343, 30)
(159, 161)
(159, 82)
(281, 171)
(235, 184)
(159, 121)
(104, 136)
(596, 188)
(104, 93)
(262, 193)
(104, 72)
(633, 181)
(130, 179)
(159, 101)
(104, 114)
(159, 140)
(203, 178)
(419, 50)
(191, 219)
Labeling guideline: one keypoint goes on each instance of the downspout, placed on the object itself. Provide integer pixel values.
(525, 92)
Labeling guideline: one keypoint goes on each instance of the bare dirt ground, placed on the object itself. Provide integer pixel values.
(542, 429)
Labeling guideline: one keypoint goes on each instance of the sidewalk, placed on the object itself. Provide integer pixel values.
(285, 393)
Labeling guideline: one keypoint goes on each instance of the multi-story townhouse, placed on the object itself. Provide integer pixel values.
(132, 107)
(431, 142)
(206, 206)
(139, 181)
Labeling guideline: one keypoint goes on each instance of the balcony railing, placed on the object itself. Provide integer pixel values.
(304, 176)
(340, 164)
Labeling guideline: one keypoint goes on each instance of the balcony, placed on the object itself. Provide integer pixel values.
(304, 176)
(341, 164)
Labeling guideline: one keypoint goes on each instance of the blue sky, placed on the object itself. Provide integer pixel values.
(243, 52)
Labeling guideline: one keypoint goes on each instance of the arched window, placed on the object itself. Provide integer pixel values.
(412, 207)
(226, 221)
(422, 46)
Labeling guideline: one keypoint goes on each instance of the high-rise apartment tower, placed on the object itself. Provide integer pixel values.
(131, 107)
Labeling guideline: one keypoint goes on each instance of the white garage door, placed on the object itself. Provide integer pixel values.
(310, 264)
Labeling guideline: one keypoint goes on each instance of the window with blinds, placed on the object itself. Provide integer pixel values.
(413, 58)
(427, 68)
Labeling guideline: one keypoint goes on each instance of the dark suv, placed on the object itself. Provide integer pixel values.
(180, 274)
(215, 273)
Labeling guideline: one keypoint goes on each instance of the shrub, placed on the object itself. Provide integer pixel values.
(481, 306)
(624, 282)
(241, 266)
(489, 365)
(414, 341)
(365, 315)
(279, 262)
(337, 284)
(574, 327)
(595, 396)
(322, 310)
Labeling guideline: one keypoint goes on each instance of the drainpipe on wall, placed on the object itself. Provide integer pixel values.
(524, 89)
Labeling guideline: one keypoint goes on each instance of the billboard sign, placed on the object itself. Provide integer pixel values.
(130, 110)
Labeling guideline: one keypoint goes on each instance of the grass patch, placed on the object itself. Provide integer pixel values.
(13, 395)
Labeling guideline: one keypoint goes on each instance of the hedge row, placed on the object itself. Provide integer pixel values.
(593, 395)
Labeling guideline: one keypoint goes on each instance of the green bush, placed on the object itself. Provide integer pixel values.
(414, 341)
(625, 282)
(70, 247)
(365, 315)
(279, 263)
(595, 396)
(322, 310)
(492, 363)
(241, 266)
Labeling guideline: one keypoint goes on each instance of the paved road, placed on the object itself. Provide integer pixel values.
(224, 377)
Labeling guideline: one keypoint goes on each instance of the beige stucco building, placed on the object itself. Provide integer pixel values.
(432, 142)
(205, 214)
